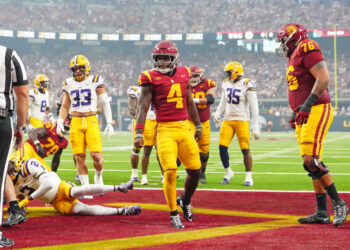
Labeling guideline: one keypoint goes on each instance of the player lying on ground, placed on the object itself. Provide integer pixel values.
(33, 181)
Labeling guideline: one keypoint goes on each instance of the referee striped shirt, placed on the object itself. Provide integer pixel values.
(12, 73)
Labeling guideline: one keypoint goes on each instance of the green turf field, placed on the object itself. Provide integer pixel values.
(276, 163)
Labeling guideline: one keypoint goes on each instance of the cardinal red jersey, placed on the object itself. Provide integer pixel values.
(169, 93)
(300, 80)
(200, 92)
(51, 142)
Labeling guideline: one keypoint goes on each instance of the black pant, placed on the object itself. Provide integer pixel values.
(6, 136)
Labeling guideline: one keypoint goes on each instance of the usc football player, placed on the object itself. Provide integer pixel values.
(308, 79)
(166, 86)
(203, 93)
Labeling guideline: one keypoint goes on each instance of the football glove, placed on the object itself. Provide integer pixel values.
(109, 129)
(39, 149)
(256, 133)
(305, 109)
(292, 120)
(217, 119)
(60, 127)
(24, 202)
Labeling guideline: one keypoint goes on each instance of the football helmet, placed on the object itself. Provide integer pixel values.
(197, 75)
(14, 166)
(165, 48)
(41, 82)
(289, 36)
(80, 61)
(233, 70)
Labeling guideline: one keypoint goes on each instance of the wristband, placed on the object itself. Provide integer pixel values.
(20, 128)
(138, 136)
(199, 128)
(139, 126)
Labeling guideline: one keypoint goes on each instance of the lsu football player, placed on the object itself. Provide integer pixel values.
(149, 135)
(166, 86)
(32, 181)
(203, 93)
(238, 94)
(39, 98)
(81, 93)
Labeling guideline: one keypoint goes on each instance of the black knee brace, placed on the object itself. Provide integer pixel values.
(321, 169)
(204, 158)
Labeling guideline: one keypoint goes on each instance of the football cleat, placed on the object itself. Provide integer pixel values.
(187, 209)
(125, 187)
(202, 179)
(144, 180)
(227, 177)
(319, 217)
(16, 216)
(77, 178)
(130, 210)
(5, 242)
(248, 182)
(134, 178)
(341, 211)
(176, 222)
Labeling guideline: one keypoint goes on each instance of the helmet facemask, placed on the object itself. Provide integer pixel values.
(287, 44)
(78, 72)
(167, 64)
(14, 166)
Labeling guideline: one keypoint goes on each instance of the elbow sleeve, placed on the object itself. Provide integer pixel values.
(210, 99)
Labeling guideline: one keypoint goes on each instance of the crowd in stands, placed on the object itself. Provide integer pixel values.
(184, 16)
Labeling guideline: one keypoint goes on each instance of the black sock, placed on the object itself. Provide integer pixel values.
(174, 213)
(186, 200)
(332, 192)
(321, 201)
(203, 171)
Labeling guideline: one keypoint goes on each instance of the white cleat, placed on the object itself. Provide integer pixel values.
(144, 180)
(248, 182)
(228, 176)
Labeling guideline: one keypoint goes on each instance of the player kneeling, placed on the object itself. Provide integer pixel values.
(33, 181)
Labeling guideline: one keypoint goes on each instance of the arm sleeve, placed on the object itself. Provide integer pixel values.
(222, 105)
(254, 107)
(44, 187)
(104, 102)
(19, 74)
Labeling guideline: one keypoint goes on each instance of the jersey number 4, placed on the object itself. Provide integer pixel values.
(175, 95)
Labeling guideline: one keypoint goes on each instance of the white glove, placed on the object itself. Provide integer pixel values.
(196, 100)
(109, 129)
(256, 133)
(59, 127)
(217, 119)
(51, 118)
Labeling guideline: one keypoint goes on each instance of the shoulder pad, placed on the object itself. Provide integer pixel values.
(250, 84)
(65, 83)
(32, 167)
(307, 46)
(145, 78)
(211, 83)
(189, 71)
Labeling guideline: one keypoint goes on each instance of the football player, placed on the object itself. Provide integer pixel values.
(33, 181)
(42, 142)
(203, 93)
(81, 93)
(238, 94)
(39, 102)
(308, 79)
(166, 86)
(149, 135)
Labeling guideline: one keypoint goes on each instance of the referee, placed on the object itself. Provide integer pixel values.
(13, 77)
